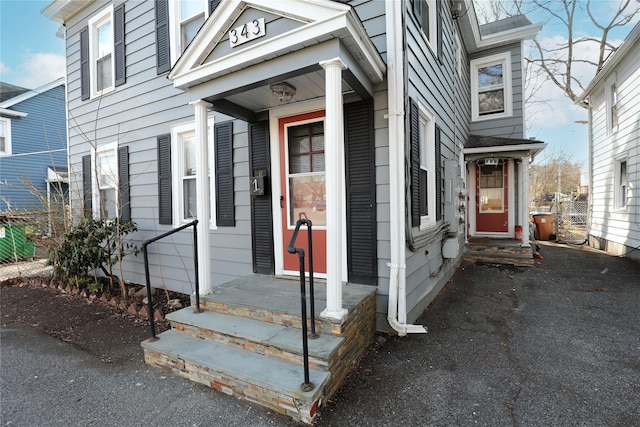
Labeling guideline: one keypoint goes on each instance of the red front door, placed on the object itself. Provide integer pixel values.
(303, 188)
(492, 202)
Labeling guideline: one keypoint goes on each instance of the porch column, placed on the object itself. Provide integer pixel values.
(202, 195)
(334, 181)
(524, 212)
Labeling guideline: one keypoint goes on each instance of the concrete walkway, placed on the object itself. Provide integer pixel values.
(555, 344)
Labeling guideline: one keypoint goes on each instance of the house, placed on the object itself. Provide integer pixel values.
(253, 115)
(33, 147)
(614, 151)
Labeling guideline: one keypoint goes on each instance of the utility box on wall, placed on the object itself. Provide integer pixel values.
(454, 203)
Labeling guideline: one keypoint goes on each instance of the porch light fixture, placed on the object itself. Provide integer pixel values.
(283, 91)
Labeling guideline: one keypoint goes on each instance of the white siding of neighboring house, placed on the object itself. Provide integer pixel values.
(617, 230)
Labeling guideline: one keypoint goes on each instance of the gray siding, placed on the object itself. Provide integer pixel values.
(507, 127)
(134, 114)
(446, 94)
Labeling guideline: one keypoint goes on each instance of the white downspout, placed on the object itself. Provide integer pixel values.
(397, 274)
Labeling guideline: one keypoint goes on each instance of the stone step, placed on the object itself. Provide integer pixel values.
(269, 339)
(270, 382)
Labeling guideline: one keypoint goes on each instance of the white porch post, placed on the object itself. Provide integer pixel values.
(524, 212)
(202, 195)
(334, 181)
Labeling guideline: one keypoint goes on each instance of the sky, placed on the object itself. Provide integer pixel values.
(31, 55)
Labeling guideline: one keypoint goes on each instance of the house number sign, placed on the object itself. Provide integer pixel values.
(249, 31)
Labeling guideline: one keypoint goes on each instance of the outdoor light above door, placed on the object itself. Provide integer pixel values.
(283, 91)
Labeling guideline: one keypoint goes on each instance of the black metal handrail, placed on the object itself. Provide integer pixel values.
(307, 385)
(193, 224)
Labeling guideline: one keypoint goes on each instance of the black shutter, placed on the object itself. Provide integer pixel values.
(119, 45)
(223, 140)
(123, 184)
(438, 162)
(426, 11)
(163, 55)
(165, 209)
(362, 257)
(212, 5)
(261, 214)
(87, 191)
(414, 129)
(440, 30)
(85, 82)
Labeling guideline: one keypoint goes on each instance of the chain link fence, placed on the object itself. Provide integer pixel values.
(25, 238)
(572, 221)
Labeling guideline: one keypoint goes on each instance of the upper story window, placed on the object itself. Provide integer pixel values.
(426, 13)
(5, 137)
(102, 53)
(184, 164)
(185, 19)
(491, 87)
(101, 59)
(612, 105)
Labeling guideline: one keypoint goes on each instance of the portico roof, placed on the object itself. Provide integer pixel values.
(298, 36)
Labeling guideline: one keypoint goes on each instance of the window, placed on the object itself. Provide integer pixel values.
(186, 18)
(491, 188)
(5, 137)
(101, 65)
(612, 106)
(306, 173)
(622, 185)
(105, 194)
(426, 130)
(426, 12)
(184, 164)
(491, 87)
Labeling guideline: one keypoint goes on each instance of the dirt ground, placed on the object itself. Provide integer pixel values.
(89, 325)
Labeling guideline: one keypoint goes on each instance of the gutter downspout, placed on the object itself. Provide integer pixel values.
(395, 90)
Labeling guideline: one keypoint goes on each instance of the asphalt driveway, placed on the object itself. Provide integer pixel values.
(556, 344)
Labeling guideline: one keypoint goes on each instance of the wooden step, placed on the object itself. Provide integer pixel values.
(270, 382)
(269, 339)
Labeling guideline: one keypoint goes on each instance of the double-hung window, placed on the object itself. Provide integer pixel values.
(426, 135)
(612, 105)
(184, 166)
(426, 13)
(491, 91)
(186, 18)
(105, 193)
(101, 65)
(622, 184)
(5, 137)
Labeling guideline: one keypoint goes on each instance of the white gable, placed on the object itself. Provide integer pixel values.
(290, 26)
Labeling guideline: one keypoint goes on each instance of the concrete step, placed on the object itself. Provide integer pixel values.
(270, 382)
(269, 339)
(521, 259)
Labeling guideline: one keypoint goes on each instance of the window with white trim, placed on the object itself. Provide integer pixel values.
(425, 12)
(491, 87)
(105, 193)
(622, 184)
(612, 105)
(5, 137)
(185, 19)
(184, 164)
(427, 132)
(101, 48)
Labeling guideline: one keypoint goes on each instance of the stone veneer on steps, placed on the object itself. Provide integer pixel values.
(236, 329)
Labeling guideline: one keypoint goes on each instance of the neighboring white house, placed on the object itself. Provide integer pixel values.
(613, 100)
